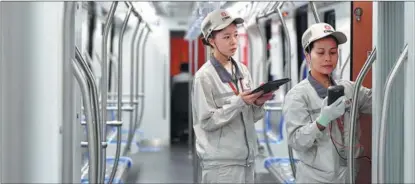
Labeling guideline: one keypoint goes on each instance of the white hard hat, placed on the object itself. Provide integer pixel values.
(321, 30)
(217, 20)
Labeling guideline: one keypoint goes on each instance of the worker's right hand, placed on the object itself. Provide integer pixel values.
(250, 98)
(331, 112)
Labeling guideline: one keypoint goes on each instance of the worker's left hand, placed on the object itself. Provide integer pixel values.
(261, 100)
(265, 97)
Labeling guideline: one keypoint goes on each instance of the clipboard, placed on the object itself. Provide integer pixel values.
(271, 86)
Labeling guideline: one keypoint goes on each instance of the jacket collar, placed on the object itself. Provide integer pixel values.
(320, 89)
(224, 75)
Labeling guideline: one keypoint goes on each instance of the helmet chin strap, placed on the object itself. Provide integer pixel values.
(217, 48)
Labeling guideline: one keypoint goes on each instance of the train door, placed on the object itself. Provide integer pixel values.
(361, 45)
(179, 60)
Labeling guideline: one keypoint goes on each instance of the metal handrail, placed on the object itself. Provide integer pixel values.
(288, 49)
(288, 69)
(95, 104)
(384, 116)
(358, 83)
(344, 66)
(104, 83)
(132, 102)
(140, 117)
(137, 51)
(315, 12)
(119, 99)
(93, 144)
(135, 12)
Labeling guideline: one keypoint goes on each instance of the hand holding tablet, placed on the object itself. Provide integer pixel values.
(270, 86)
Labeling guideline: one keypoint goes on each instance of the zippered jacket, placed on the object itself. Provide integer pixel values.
(222, 121)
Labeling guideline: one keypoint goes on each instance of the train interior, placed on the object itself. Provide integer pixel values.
(99, 92)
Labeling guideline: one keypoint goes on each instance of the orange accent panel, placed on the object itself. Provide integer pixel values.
(361, 45)
(179, 52)
(201, 52)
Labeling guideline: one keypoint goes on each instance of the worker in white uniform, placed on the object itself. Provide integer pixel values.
(224, 111)
(318, 132)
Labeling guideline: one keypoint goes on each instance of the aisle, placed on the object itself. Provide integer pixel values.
(168, 166)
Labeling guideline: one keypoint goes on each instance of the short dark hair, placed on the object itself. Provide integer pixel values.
(311, 45)
(184, 67)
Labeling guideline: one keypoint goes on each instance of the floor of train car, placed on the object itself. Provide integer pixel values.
(169, 166)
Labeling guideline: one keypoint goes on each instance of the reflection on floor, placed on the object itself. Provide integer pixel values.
(168, 166)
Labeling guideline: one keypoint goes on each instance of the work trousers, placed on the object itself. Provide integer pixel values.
(228, 174)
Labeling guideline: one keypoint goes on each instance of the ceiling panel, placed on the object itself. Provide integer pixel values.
(174, 8)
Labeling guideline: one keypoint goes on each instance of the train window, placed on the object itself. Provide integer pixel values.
(330, 18)
(284, 46)
(268, 36)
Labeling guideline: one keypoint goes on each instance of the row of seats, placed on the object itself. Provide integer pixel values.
(125, 162)
(279, 167)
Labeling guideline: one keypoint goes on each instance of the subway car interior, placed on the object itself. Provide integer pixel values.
(100, 92)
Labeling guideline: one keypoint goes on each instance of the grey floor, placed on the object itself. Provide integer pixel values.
(168, 166)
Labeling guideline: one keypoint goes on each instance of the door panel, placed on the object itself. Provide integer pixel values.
(361, 45)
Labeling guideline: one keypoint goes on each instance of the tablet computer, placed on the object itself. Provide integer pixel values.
(271, 86)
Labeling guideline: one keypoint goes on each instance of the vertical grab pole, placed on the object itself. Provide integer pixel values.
(93, 144)
(263, 54)
(315, 12)
(95, 106)
(288, 49)
(361, 76)
(118, 124)
(190, 142)
(288, 72)
(138, 68)
(104, 85)
(141, 94)
(132, 70)
(384, 117)
(344, 66)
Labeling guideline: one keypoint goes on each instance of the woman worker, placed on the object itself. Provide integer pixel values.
(224, 111)
(318, 132)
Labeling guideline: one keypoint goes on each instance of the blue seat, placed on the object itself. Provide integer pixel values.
(116, 180)
(123, 160)
(268, 128)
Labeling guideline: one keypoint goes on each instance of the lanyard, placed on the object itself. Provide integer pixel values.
(231, 84)
(234, 89)
(340, 125)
